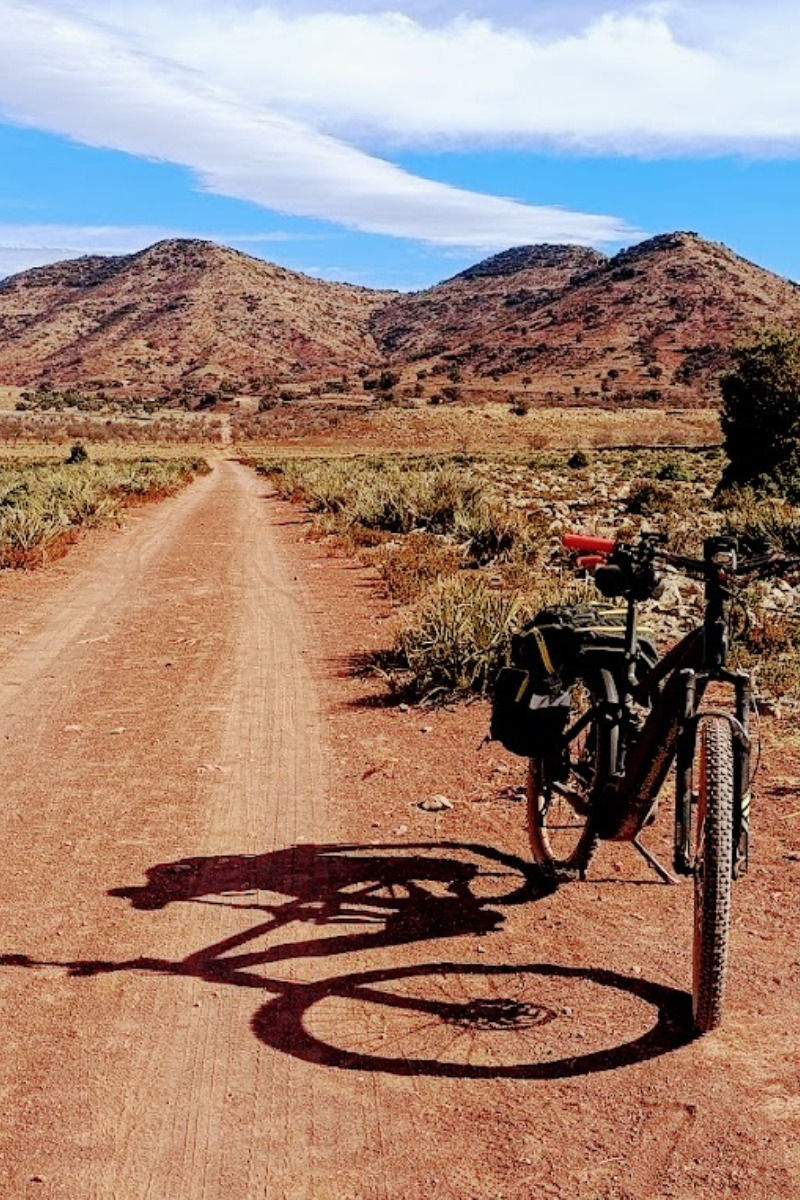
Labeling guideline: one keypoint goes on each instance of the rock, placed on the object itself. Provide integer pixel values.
(436, 804)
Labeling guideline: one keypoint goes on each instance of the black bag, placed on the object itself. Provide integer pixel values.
(559, 640)
(525, 721)
(531, 703)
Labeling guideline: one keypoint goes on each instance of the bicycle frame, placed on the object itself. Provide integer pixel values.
(676, 687)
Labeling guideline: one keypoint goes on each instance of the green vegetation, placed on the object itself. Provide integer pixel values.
(47, 398)
(454, 642)
(446, 544)
(43, 506)
(404, 495)
(458, 638)
(468, 547)
(761, 414)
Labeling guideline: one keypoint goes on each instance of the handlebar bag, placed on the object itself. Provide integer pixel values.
(524, 721)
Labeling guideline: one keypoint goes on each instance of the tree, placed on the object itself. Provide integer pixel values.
(761, 413)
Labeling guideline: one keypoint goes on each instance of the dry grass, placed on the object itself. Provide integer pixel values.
(468, 545)
(45, 505)
(469, 429)
(56, 430)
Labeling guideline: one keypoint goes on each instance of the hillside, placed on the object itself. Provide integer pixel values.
(656, 318)
(480, 298)
(179, 313)
(558, 322)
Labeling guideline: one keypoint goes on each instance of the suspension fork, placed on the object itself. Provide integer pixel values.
(689, 722)
(684, 765)
(742, 775)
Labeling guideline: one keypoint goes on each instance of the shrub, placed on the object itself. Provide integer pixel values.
(673, 471)
(770, 647)
(78, 454)
(579, 460)
(761, 414)
(653, 498)
(42, 507)
(762, 526)
(459, 636)
(457, 640)
(414, 565)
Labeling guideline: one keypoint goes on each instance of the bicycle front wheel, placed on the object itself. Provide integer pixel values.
(563, 790)
(713, 872)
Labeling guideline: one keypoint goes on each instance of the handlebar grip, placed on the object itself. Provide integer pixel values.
(591, 545)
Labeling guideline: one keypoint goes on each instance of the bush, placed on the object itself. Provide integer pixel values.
(762, 526)
(400, 496)
(42, 507)
(458, 639)
(579, 460)
(673, 471)
(761, 414)
(78, 454)
(652, 498)
(414, 565)
(770, 648)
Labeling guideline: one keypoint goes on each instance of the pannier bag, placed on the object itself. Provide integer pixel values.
(530, 708)
(525, 721)
(559, 640)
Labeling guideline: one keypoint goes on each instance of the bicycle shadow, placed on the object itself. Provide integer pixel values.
(400, 893)
(387, 895)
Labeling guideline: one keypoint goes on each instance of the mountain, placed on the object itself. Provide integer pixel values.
(657, 318)
(181, 312)
(561, 322)
(484, 296)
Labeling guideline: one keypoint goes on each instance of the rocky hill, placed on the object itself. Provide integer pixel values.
(654, 322)
(182, 312)
(559, 322)
(481, 298)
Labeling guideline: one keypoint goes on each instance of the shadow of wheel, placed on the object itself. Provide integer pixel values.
(470, 1021)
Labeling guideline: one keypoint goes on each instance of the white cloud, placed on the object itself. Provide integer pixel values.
(74, 76)
(36, 245)
(25, 246)
(617, 75)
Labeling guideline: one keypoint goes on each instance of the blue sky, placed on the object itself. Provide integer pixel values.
(393, 148)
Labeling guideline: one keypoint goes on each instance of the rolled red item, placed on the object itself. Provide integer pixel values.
(591, 545)
(588, 562)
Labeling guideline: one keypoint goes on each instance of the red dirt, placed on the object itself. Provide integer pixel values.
(240, 961)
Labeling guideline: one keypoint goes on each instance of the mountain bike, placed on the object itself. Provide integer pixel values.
(631, 718)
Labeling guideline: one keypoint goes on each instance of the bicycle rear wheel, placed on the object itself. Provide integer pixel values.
(562, 791)
(713, 872)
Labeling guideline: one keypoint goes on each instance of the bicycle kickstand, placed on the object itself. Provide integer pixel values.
(653, 862)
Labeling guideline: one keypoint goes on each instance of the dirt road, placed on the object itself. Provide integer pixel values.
(239, 961)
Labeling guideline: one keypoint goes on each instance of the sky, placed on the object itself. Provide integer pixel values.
(391, 144)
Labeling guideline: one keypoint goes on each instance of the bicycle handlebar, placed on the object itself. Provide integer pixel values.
(594, 552)
(587, 544)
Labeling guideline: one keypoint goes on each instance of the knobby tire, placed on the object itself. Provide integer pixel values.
(599, 752)
(713, 873)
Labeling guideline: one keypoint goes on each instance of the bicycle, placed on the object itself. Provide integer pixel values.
(631, 717)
